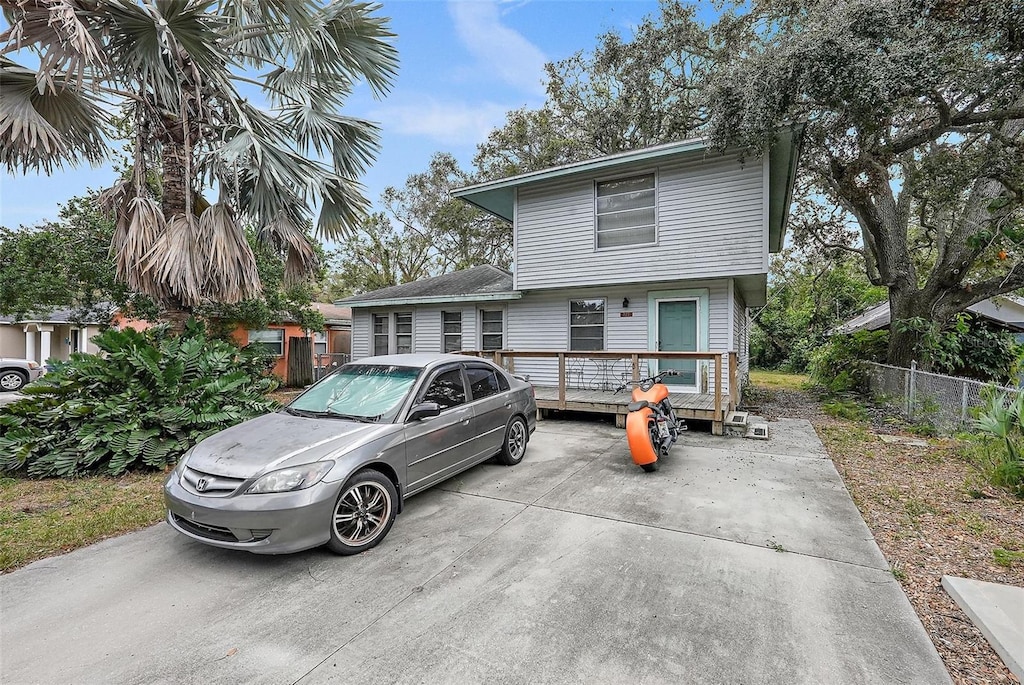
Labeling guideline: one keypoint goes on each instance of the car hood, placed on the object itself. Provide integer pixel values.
(278, 440)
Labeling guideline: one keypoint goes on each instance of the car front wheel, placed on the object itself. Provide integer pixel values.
(514, 447)
(12, 380)
(363, 514)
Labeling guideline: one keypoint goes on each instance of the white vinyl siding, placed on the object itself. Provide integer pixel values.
(427, 330)
(710, 224)
(361, 325)
(586, 325)
(625, 211)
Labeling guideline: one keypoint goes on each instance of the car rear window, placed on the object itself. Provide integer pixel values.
(483, 382)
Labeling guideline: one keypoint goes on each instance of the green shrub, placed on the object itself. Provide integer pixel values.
(997, 452)
(835, 366)
(845, 409)
(143, 403)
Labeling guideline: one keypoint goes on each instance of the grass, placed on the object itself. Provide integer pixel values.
(778, 380)
(41, 518)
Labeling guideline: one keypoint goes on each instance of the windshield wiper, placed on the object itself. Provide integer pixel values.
(350, 417)
(308, 413)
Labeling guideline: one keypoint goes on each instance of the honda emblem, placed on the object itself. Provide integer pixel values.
(202, 484)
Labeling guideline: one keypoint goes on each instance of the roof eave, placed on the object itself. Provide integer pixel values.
(434, 299)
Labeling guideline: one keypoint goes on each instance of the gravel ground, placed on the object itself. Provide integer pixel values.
(930, 515)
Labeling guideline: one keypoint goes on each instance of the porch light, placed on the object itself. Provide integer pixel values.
(625, 303)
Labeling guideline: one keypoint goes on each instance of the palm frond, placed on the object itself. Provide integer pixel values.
(65, 35)
(301, 259)
(231, 275)
(46, 129)
(177, 260)
(344, 207)
(140, 225)
(356, 40)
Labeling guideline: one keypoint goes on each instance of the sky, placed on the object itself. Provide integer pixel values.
(464, 64)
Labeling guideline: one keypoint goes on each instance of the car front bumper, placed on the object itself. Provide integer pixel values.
(276, 523)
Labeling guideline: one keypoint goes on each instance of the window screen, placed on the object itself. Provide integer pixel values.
(380, 334)
(269, 341)
(403, 332)
(492, 327)
(452, 323)
(586, 325)
(625, 211)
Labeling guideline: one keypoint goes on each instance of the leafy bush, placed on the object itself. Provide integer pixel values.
(835, 365)
(143, 403)
(966, 347)
(997, 454)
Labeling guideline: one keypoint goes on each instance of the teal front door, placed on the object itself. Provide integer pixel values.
(677, 332)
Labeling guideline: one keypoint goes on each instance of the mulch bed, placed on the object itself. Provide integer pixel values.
(930, 514)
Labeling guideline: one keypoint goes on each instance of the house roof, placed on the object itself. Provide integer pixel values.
(333, 314)
(498, 197)
(97, 316)
(1007, 310)
(471, 285)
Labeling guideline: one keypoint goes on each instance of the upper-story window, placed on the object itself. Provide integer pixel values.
(625, 211)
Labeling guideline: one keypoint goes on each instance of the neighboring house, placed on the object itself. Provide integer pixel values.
(658, 249)
(1001, 311)
(330, 346)
(54, 335)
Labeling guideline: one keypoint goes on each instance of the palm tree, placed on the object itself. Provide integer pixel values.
(181, 73)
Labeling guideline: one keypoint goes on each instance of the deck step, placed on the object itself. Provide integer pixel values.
(758, 431)
(737, 419)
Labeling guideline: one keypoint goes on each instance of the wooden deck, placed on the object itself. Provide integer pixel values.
(687, 405)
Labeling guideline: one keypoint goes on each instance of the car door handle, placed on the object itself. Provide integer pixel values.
(466, 422)
(508, 405)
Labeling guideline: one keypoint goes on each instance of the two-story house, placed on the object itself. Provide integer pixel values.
(657, 250)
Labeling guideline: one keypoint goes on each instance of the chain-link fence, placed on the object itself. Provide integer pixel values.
(324, 364)
(946, 402)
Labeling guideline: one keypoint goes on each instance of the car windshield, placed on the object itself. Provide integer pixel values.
(363, 392)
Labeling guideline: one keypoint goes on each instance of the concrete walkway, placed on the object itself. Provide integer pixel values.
(737, 562)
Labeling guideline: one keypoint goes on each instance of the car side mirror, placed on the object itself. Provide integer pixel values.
(424, 410)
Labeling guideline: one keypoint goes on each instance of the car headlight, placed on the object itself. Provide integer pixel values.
(291, 478)
(180, 468)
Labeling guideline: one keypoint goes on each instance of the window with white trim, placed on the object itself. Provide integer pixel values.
(320, 342)
(451, 323)
(270, 341)
(381, 334)
(586, 325)
(403, 332)
(492, 329)
(626, 211)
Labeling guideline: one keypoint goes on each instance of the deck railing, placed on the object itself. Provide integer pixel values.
(507, 359)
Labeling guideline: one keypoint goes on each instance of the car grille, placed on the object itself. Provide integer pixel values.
(207, 484)
(220, 533)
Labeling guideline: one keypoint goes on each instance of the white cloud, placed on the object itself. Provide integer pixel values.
(499, 49)
(449, 123)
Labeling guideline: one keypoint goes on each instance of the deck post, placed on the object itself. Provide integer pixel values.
(734, 388)
(636, 369)
(511, 363)
(561, 380)
(717, 425)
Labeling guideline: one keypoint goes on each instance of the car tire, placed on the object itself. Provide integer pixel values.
(11, 380)
(363, 513)
(513, 448)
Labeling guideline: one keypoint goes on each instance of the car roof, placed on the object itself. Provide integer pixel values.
(419, 360)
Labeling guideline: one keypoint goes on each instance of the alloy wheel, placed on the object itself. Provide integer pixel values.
(362, 513)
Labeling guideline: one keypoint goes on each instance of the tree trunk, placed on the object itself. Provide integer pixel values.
(175, 185)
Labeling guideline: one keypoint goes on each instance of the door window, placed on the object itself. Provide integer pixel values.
(483, 382)
(446, 389)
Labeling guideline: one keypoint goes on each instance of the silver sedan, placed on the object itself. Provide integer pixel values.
(335, 466)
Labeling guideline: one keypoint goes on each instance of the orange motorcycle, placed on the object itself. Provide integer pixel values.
(651, 424)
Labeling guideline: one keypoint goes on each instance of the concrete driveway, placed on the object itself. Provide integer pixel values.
(738, 562)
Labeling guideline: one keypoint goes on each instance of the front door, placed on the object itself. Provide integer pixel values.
(677, 332)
